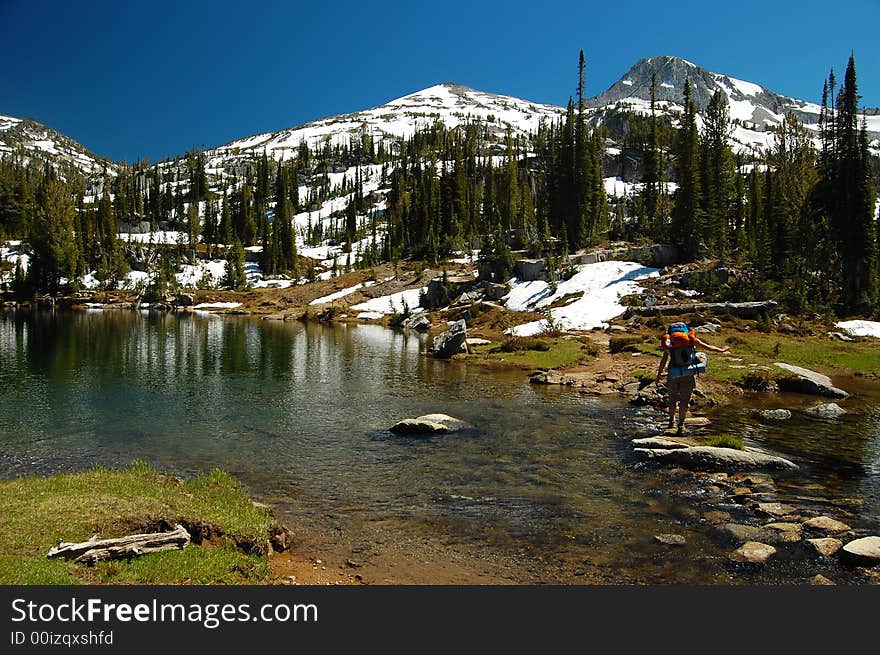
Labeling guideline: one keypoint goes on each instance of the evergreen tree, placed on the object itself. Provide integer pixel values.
(687, 214)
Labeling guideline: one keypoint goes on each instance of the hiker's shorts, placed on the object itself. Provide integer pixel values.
(680, 389)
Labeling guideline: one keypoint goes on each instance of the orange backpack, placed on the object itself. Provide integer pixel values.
(679, 342)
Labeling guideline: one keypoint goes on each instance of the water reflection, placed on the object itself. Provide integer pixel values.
(301, 414)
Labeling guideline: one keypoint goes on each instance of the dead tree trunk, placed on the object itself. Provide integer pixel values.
(740, 309)
(96, 549)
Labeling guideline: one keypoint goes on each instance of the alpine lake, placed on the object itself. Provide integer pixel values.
(543, 487)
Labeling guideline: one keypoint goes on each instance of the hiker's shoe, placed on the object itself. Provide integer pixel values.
(681, 430)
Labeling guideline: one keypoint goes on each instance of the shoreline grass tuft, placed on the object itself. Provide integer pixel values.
(38, 512)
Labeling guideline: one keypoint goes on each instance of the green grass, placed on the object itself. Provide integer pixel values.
(561, 352)
(726, 441)
(817, 353)
(37, 512)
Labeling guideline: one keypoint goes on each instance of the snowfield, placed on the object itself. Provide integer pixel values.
(596, 290)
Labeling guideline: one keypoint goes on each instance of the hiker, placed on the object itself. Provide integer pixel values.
(680, 351)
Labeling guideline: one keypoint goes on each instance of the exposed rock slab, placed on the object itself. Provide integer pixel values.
(659, 443)
(670, 539)
(809, 382)
(714, 458)
(753, 552)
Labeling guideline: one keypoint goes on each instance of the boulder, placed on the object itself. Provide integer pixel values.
(184, 300)
(670, 539)
(820, 579)
(825, 547)
(826, 410)
(419, 322)
(827, 524)
(864, 551)
(706, 458)
(418, 426)
(429, 424)
(774, 414)
(753, 552)
(809, 382)
(495, 291)
(451, 342)
(840, 336)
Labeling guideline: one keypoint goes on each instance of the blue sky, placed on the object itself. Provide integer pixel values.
(153, 79)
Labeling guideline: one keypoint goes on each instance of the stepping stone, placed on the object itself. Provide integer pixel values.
(864, 551)
(827, 524)
(825, 547)
(753, 552)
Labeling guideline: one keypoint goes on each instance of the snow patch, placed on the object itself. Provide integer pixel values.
(394, 303)
(600, 285)
(860, 328)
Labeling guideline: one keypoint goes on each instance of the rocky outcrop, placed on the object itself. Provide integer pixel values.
(806, 381)
(711, 458)
(428, 424)
(419, 322)
(451, 342)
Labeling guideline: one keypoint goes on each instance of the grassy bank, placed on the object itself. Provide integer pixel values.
(37, 512)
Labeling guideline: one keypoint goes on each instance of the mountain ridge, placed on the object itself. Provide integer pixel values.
(753, 110)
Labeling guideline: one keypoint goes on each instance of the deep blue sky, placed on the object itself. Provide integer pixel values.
(152, 79)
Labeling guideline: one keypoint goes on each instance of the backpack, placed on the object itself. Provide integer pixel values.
(679, 342)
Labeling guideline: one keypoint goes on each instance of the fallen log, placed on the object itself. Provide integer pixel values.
(740, 309)
(95, 549)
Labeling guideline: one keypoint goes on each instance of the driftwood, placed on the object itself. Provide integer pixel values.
(96, 549)
(740, 309)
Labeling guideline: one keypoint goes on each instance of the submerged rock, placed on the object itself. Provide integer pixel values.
(806, 381)
(670, 539)
(713, 458)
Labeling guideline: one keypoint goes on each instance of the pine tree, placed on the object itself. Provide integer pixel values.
(235, 277)
(687, 215)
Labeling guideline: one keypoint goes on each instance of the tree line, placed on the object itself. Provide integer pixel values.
(797, 219)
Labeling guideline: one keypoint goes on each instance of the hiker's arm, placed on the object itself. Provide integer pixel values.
(662, 364)
(711, 347)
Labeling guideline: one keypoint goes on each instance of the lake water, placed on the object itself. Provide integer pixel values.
(543, 485)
